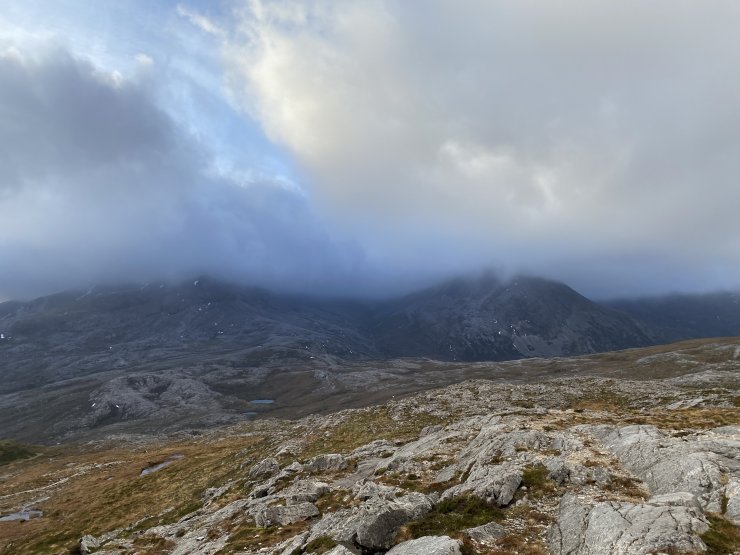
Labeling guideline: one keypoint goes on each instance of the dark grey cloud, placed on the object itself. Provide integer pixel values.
(97, 183)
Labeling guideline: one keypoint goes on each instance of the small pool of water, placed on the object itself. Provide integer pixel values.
(262, 401)
(21, 515)
(160, 465)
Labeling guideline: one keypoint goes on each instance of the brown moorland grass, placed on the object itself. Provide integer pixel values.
(97, 490)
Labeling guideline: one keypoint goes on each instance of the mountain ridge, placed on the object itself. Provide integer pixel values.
(198, 354)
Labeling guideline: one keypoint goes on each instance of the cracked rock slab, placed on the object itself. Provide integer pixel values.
(611, 528)
(495, 483)
(486, 534)
(373, 524)
(283, 515)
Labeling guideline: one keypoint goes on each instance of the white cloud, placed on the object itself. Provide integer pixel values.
(594, 142)
(199, 20)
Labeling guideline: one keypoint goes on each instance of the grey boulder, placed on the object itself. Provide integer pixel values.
(326, 463)
(495, 483)
(428, 545)
(284, 514)
(486, 534)
(266, 467)
(374, 523)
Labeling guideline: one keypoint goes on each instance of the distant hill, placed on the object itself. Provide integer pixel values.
(200, 353)
(158, 326)
(676, 317)
(486, 319)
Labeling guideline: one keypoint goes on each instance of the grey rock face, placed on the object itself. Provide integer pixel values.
(289, 546)
(373, 524)
(732, 491)
(302, 491)
(326, 463)
(368, 490)
(678, 499)
(375, 449)
(88, 544)
(668, 465)
(494, 483)
(270, 516)
(428, 545)
(426, 445)
(496, 441)
(487, 533)
(340, 550)
(562, 472)
(266, 467)
(625, 528)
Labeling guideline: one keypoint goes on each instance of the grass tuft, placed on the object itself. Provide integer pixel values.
(451, 516)
(723, 537)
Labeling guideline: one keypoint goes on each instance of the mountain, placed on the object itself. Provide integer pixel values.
(200, 353)
(676, 317)
(487, 319)
(191, 325)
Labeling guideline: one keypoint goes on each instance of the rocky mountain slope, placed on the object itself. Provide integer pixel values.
(74, 334)
(570, 465)
(486, 319)
(163, 357)
(677, 317)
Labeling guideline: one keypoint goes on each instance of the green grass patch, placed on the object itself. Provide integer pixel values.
(13, 451)
(454, 515)
(318, 546)
(536, 479)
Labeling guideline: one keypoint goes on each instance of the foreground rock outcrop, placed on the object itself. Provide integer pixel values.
(574, 467)
(625, 528)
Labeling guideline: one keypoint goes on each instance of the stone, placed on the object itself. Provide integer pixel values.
(425, 447)
(291, 545)
(89, 544)
(428, 545)
(614, 528)
(677, 499)
(368, 490)
(266, 467)
(326, 463)
(430, 430)
(266, 516)
(301, 491)
(486, 534)
(494, 483)
(732, 494)
(378, 524)
(374, 523)
(293, 468)
(669, 465)
(380, 448)
(340, 550)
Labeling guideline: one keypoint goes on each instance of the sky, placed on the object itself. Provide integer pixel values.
(370, 147)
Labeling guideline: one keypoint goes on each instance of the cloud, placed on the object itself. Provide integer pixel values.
(591, 142)
(98, 183)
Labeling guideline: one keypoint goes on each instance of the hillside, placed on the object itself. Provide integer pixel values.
(646, 460)
(164, 358)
